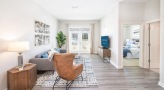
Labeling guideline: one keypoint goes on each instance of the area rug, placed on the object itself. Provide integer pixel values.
(89, 80)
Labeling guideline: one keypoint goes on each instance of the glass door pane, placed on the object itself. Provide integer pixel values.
(74, 40)
(79, 40)
(85, 42)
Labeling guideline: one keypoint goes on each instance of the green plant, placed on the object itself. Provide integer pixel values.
(61, 38)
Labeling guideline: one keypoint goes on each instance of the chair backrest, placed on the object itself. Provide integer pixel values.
(64, 64)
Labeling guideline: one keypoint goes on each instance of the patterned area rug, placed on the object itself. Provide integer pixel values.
(48, 78)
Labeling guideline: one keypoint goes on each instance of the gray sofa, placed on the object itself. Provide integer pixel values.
(43, 64)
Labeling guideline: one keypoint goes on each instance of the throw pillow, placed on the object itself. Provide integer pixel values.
(45, 55)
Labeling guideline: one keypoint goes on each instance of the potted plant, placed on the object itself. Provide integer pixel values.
(61, 38)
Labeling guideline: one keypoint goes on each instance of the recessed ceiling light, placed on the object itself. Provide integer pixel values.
(75, 7)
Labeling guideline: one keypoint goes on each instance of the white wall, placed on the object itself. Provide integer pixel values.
(152, 10)
(128, 32)
(110, 26)
(63, 26)
(137, 13)
(17, 23)
(161, 81)
(131, 12)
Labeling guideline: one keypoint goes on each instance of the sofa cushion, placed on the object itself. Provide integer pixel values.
(63, 51)
(45, 55)
(44, 63)
(57, 49)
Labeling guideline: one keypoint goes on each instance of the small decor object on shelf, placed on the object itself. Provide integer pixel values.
(20, 68)
(42, 32)
(61, 38)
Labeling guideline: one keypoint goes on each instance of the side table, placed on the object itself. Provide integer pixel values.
(22, 80)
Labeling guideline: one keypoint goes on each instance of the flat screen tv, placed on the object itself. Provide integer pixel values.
(105, 41)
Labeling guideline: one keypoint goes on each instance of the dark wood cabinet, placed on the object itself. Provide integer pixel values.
(22, 80)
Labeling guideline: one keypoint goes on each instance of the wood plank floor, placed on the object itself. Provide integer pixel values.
(109, 78)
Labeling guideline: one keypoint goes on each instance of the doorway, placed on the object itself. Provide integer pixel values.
(131, 44)
(79, 39)
(152, 46)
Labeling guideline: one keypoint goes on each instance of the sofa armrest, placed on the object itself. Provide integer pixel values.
(63, 50)
(42, 63)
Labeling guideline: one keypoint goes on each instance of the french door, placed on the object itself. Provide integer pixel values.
(79, 40)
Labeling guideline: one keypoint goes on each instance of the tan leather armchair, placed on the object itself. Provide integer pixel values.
(66, 70)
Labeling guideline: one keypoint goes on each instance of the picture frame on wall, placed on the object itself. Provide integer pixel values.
(136, 33)
(47, 29)
(38, 40)
(42, 34)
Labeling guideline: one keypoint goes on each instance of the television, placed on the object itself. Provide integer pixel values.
(105, 42)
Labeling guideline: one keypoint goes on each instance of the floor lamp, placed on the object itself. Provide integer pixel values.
(19, 47)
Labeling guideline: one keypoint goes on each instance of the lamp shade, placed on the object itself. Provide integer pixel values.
(18, 46)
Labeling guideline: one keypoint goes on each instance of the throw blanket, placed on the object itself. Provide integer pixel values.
(125, 51)
(51, 54)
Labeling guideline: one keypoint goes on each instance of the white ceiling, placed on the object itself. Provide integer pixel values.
(77, 9)
(136, 1)
(80, 9)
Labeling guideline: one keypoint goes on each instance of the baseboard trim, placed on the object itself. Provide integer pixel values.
(113, 63)
(95, 53)
(161, 84)
(118, 67)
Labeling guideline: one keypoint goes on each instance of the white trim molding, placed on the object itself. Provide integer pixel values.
(120, 61)
(152, 21)
(161, 84)
(118, 67)
(95, 53)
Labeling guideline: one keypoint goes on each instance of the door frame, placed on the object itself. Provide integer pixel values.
(146, 38)
(141, 56)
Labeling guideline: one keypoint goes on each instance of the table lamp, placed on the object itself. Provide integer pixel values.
(19, 47)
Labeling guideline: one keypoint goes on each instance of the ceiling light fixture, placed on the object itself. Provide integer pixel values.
(75, 7)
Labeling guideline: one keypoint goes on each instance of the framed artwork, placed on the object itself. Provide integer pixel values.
(136, 33)
(42, 34)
